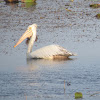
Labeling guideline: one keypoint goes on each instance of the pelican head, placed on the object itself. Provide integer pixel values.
(31, 31)
(33, 27)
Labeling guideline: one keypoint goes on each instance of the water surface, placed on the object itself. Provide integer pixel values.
(77, 30)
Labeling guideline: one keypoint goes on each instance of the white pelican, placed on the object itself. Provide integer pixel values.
(47, 52)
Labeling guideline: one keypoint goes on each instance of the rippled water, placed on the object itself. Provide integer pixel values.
(77, 30)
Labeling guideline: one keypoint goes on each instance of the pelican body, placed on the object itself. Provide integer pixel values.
(47, 52)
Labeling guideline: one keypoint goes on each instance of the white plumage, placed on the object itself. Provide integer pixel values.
(50, 52)
(47, 52)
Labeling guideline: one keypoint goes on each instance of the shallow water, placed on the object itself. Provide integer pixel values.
(77, 30)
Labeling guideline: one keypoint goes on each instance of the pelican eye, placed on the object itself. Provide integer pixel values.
(29, 28)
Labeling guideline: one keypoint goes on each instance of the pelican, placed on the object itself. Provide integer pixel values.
(47, 52)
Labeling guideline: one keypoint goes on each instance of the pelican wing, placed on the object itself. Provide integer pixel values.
(50, 51)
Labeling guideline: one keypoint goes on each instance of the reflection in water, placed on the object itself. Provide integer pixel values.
(12, 5)
(28, 4)
(35, 63)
